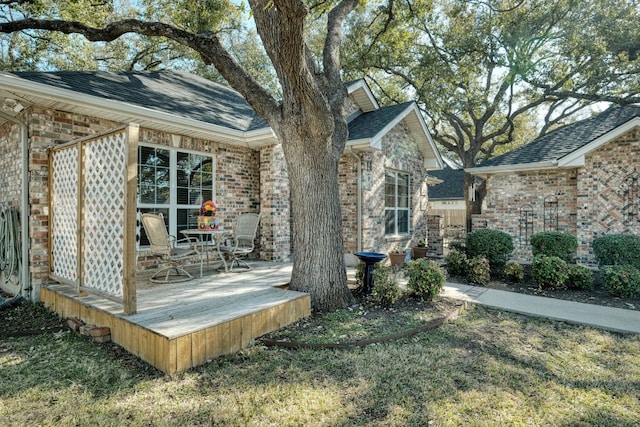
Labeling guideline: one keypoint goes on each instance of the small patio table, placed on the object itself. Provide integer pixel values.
(216, 238)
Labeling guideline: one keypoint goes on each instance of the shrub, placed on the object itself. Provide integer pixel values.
(459, 246)
(579, 277)
(621, 280)
(492, 244)
(555, 243)
(385, 288)
(617, 249)
(456, 263)
(426, 278)
(549, 272)
(514, 272)
(478, 271)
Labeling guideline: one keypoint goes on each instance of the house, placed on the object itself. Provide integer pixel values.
(187, 140)
(583, 179)
(446, 198)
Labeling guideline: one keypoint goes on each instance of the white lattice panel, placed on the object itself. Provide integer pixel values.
(64, 196)
(104, 208)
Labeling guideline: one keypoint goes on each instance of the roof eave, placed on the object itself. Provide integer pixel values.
(106, 108)
(577, 158)
(523, 167)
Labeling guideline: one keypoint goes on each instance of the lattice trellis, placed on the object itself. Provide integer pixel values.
(104, 207)
(64, 213)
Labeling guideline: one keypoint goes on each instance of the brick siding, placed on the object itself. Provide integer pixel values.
(590, 199)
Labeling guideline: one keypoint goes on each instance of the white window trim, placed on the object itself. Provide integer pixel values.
(173, 206)
(396, 209)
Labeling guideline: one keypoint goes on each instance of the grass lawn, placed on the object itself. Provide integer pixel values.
(485, 368)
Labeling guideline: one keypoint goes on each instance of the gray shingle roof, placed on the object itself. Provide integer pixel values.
(368, 125)
(451, 187)
(190, 96)
(567, 139)
(175, 92)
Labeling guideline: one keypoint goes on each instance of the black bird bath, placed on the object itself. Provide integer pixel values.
(370, 260)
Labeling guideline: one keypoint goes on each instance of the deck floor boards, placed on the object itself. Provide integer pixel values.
(180, 325)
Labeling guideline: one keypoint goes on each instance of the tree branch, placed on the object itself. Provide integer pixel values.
(206, 44)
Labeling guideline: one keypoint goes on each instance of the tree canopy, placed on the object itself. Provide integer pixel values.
(309, 118)
(482, 71)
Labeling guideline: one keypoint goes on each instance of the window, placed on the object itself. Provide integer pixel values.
(396, 206)
(174, 183)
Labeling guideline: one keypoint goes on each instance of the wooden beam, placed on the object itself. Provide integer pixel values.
(129, 293)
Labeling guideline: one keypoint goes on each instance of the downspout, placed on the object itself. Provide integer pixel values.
(359, 202)
(25, 288)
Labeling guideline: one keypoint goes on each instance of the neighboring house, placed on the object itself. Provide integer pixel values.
(446, 198)
(197, 140)
(583, 179)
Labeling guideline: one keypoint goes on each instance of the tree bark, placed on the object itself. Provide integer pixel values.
(318, 247)
(310, 122)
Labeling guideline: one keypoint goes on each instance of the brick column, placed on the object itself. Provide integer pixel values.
(435, 236)
(275, 220)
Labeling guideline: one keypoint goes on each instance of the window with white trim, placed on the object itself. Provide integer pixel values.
(174, 183)
(396, 203)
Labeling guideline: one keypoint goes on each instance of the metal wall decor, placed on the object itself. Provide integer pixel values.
(526, 224)
(551, 213)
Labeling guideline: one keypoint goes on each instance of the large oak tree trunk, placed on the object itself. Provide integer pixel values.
(318, 248)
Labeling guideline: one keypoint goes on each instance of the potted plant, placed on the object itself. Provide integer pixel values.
(419, 250)
(206, 216)
(397, 255)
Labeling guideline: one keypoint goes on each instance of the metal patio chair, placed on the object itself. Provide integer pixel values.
(242, 243)
(161, 243)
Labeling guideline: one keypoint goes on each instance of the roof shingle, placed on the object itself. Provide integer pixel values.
(567, 139)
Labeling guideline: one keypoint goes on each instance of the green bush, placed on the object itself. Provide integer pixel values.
(426, 278)
(617, 249)
(549, 272)
(555, 243)
(479, 271)
(458, 245)
(385, 288)
(514, 272)
(494, 245)
(456, 262)
(621, 280)
(580, 277)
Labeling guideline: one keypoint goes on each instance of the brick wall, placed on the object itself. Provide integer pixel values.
(10, 166)
(274, 205)
(591, 200)
(603, 197)
(237, 178)
(399, 152)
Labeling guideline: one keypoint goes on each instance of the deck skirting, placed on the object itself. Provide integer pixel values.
(203, 332)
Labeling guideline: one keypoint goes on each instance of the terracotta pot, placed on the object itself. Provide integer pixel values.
(397, 259)
(418, 252)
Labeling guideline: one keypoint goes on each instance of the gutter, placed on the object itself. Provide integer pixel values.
(25, 288)
(523, 167)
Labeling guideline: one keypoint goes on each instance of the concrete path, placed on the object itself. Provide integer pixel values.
(613, 319)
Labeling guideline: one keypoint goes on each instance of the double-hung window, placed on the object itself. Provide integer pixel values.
(396, 208)
(174, 183)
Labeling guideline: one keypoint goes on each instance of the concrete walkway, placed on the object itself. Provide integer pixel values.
(613, 319)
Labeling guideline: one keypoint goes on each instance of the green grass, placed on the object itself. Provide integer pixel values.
(486, 368)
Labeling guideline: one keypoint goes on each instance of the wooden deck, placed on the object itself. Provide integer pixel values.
(182, 325)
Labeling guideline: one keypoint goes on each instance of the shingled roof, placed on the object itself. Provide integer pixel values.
(368, 125)
(184, 103)
(451, 187)
(175, 92)
(561, 145)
